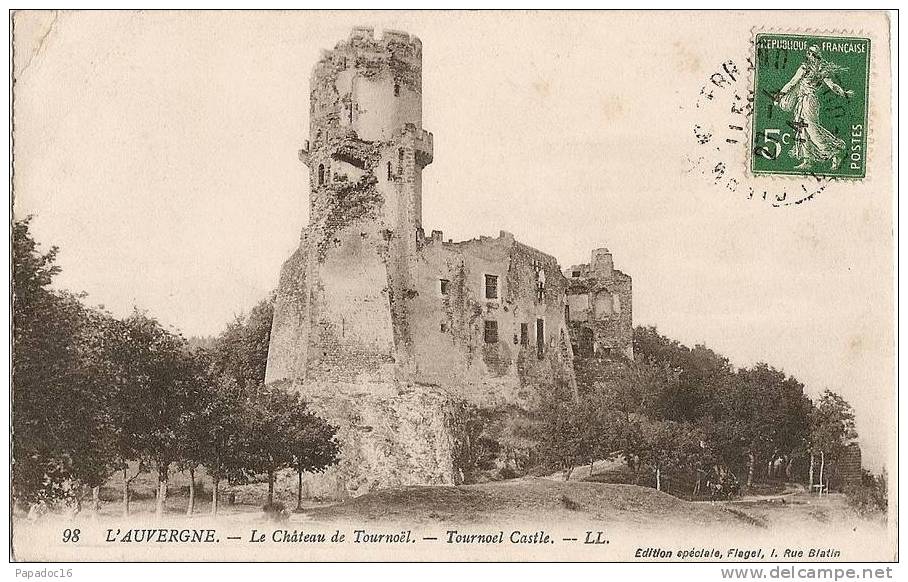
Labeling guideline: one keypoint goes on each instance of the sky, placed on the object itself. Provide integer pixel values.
(159, 151)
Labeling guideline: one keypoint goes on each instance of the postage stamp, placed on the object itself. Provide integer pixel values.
(810, 105)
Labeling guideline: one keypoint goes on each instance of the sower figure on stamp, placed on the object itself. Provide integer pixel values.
(813, 142)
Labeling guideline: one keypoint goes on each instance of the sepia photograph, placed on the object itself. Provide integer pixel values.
(453, 286)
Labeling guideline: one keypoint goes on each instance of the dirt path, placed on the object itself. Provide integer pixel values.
(790, 491)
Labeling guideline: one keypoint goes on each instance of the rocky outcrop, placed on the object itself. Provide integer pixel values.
(391, 436)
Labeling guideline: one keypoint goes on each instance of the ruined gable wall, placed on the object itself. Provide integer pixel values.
(601, 308)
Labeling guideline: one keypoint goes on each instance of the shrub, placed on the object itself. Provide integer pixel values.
(722, 484)
(569, 503)
(507, 473)
(870, 498)
(276, 511)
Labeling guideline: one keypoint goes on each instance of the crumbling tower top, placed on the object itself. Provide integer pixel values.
(365, 129)
(368, 86)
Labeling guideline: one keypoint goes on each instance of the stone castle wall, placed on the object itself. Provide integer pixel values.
(600, 306)
(451, 342)
(364, 327)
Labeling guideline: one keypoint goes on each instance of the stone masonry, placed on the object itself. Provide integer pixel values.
(391, 334)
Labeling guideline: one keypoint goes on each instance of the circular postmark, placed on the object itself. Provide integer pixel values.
(780, 125)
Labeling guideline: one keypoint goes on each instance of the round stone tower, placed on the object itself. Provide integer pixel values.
(342, 304)
(341, 331)
(366, 118)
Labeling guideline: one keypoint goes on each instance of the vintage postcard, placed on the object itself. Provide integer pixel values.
(453, 286)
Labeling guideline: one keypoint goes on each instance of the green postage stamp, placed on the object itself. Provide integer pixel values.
(810, 105)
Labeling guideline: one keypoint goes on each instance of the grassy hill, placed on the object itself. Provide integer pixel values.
(528, 499)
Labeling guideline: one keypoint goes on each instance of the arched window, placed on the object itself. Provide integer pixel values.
(389, 171)
(321, 174)
(396, 89)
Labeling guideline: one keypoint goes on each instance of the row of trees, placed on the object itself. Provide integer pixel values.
(94, 395)
(688, 411)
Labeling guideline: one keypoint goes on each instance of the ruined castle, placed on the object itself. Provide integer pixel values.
(392, 333)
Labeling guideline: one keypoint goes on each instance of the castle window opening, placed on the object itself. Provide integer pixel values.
(443, 327)
(491, 286)
(575, 273)
(400, 160)
(389, 171)
(321, 174)
(443, 286)
(397, 89)
(540, 337)
(585, 346)
(604, 305)
(540, 283)
(524, 334)
(490, 331)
